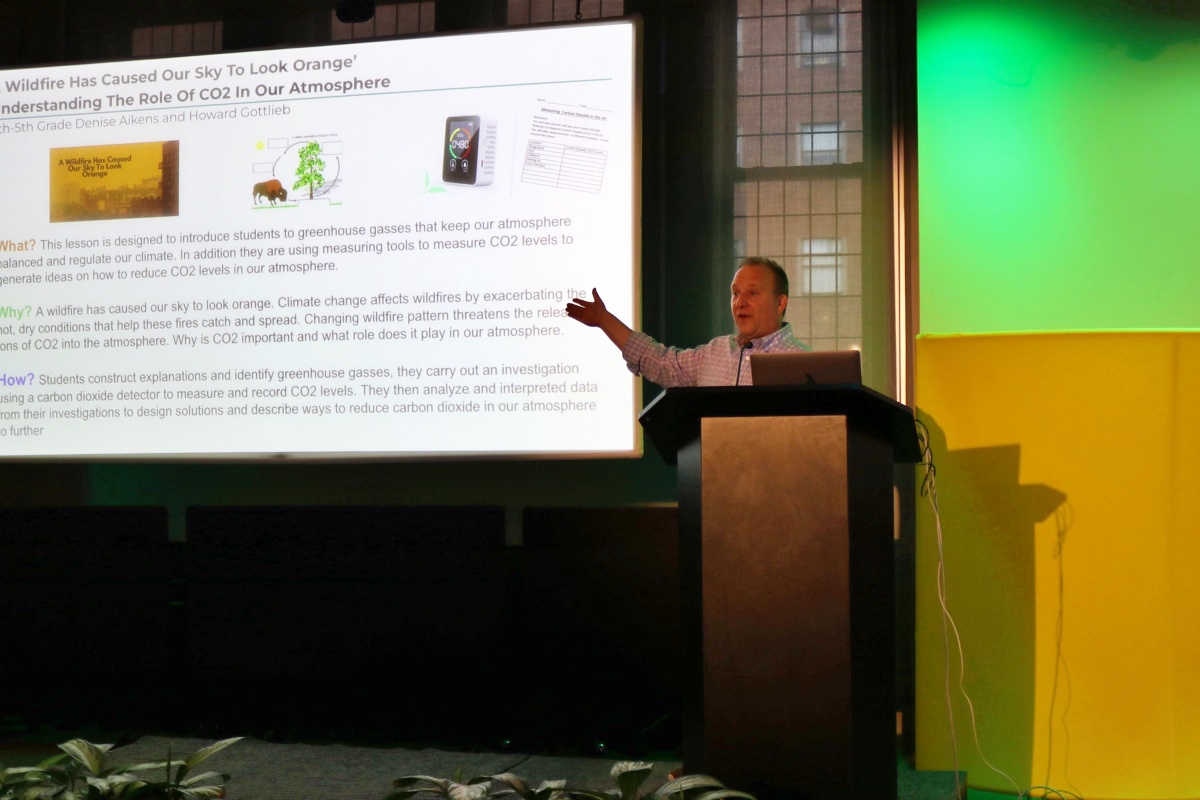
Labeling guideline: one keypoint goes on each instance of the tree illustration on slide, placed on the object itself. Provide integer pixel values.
(308, 171)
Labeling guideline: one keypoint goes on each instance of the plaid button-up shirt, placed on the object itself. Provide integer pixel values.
(712, 364)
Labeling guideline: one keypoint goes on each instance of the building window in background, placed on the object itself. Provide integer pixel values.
(798, 177)
(533, 12)
(391, 19)
(177, 40)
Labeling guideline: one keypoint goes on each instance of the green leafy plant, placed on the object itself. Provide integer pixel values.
(180, 784)
(81, 772)
(697, 787)
(546, 790)
(629, 777)
(8, 781)
(409, 785)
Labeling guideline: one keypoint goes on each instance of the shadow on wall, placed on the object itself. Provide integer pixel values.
(988, 520)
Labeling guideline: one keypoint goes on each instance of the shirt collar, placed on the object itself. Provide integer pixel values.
(783, 332)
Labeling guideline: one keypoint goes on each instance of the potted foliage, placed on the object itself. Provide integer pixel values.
(81, 772)
(629, 777)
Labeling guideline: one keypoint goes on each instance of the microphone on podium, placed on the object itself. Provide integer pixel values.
(741, 358)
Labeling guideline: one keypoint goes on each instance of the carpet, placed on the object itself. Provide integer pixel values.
(269, 771)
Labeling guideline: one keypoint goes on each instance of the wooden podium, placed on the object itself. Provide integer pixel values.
(785, 507)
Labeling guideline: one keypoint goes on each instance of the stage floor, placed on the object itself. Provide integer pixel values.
(270, 771)
(285, 771)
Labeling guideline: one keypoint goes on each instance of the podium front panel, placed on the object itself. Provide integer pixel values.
(775, 571)
(786, 558)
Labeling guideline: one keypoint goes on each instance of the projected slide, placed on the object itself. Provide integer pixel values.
(350, 250)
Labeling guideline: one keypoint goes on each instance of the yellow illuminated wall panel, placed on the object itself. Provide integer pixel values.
(1068, 472)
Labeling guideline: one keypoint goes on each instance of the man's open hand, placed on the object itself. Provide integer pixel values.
(594, 314)
(591, 313)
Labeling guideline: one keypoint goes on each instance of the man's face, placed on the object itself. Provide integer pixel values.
(757, 310)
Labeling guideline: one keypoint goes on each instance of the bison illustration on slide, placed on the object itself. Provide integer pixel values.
(272, 190)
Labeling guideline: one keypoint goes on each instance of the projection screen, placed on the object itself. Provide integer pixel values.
(344, 251)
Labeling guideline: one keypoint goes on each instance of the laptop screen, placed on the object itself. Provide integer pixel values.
(801, 369)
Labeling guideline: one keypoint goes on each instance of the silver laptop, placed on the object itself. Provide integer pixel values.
(802, 369)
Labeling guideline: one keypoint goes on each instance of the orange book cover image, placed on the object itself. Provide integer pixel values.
(114, 181)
